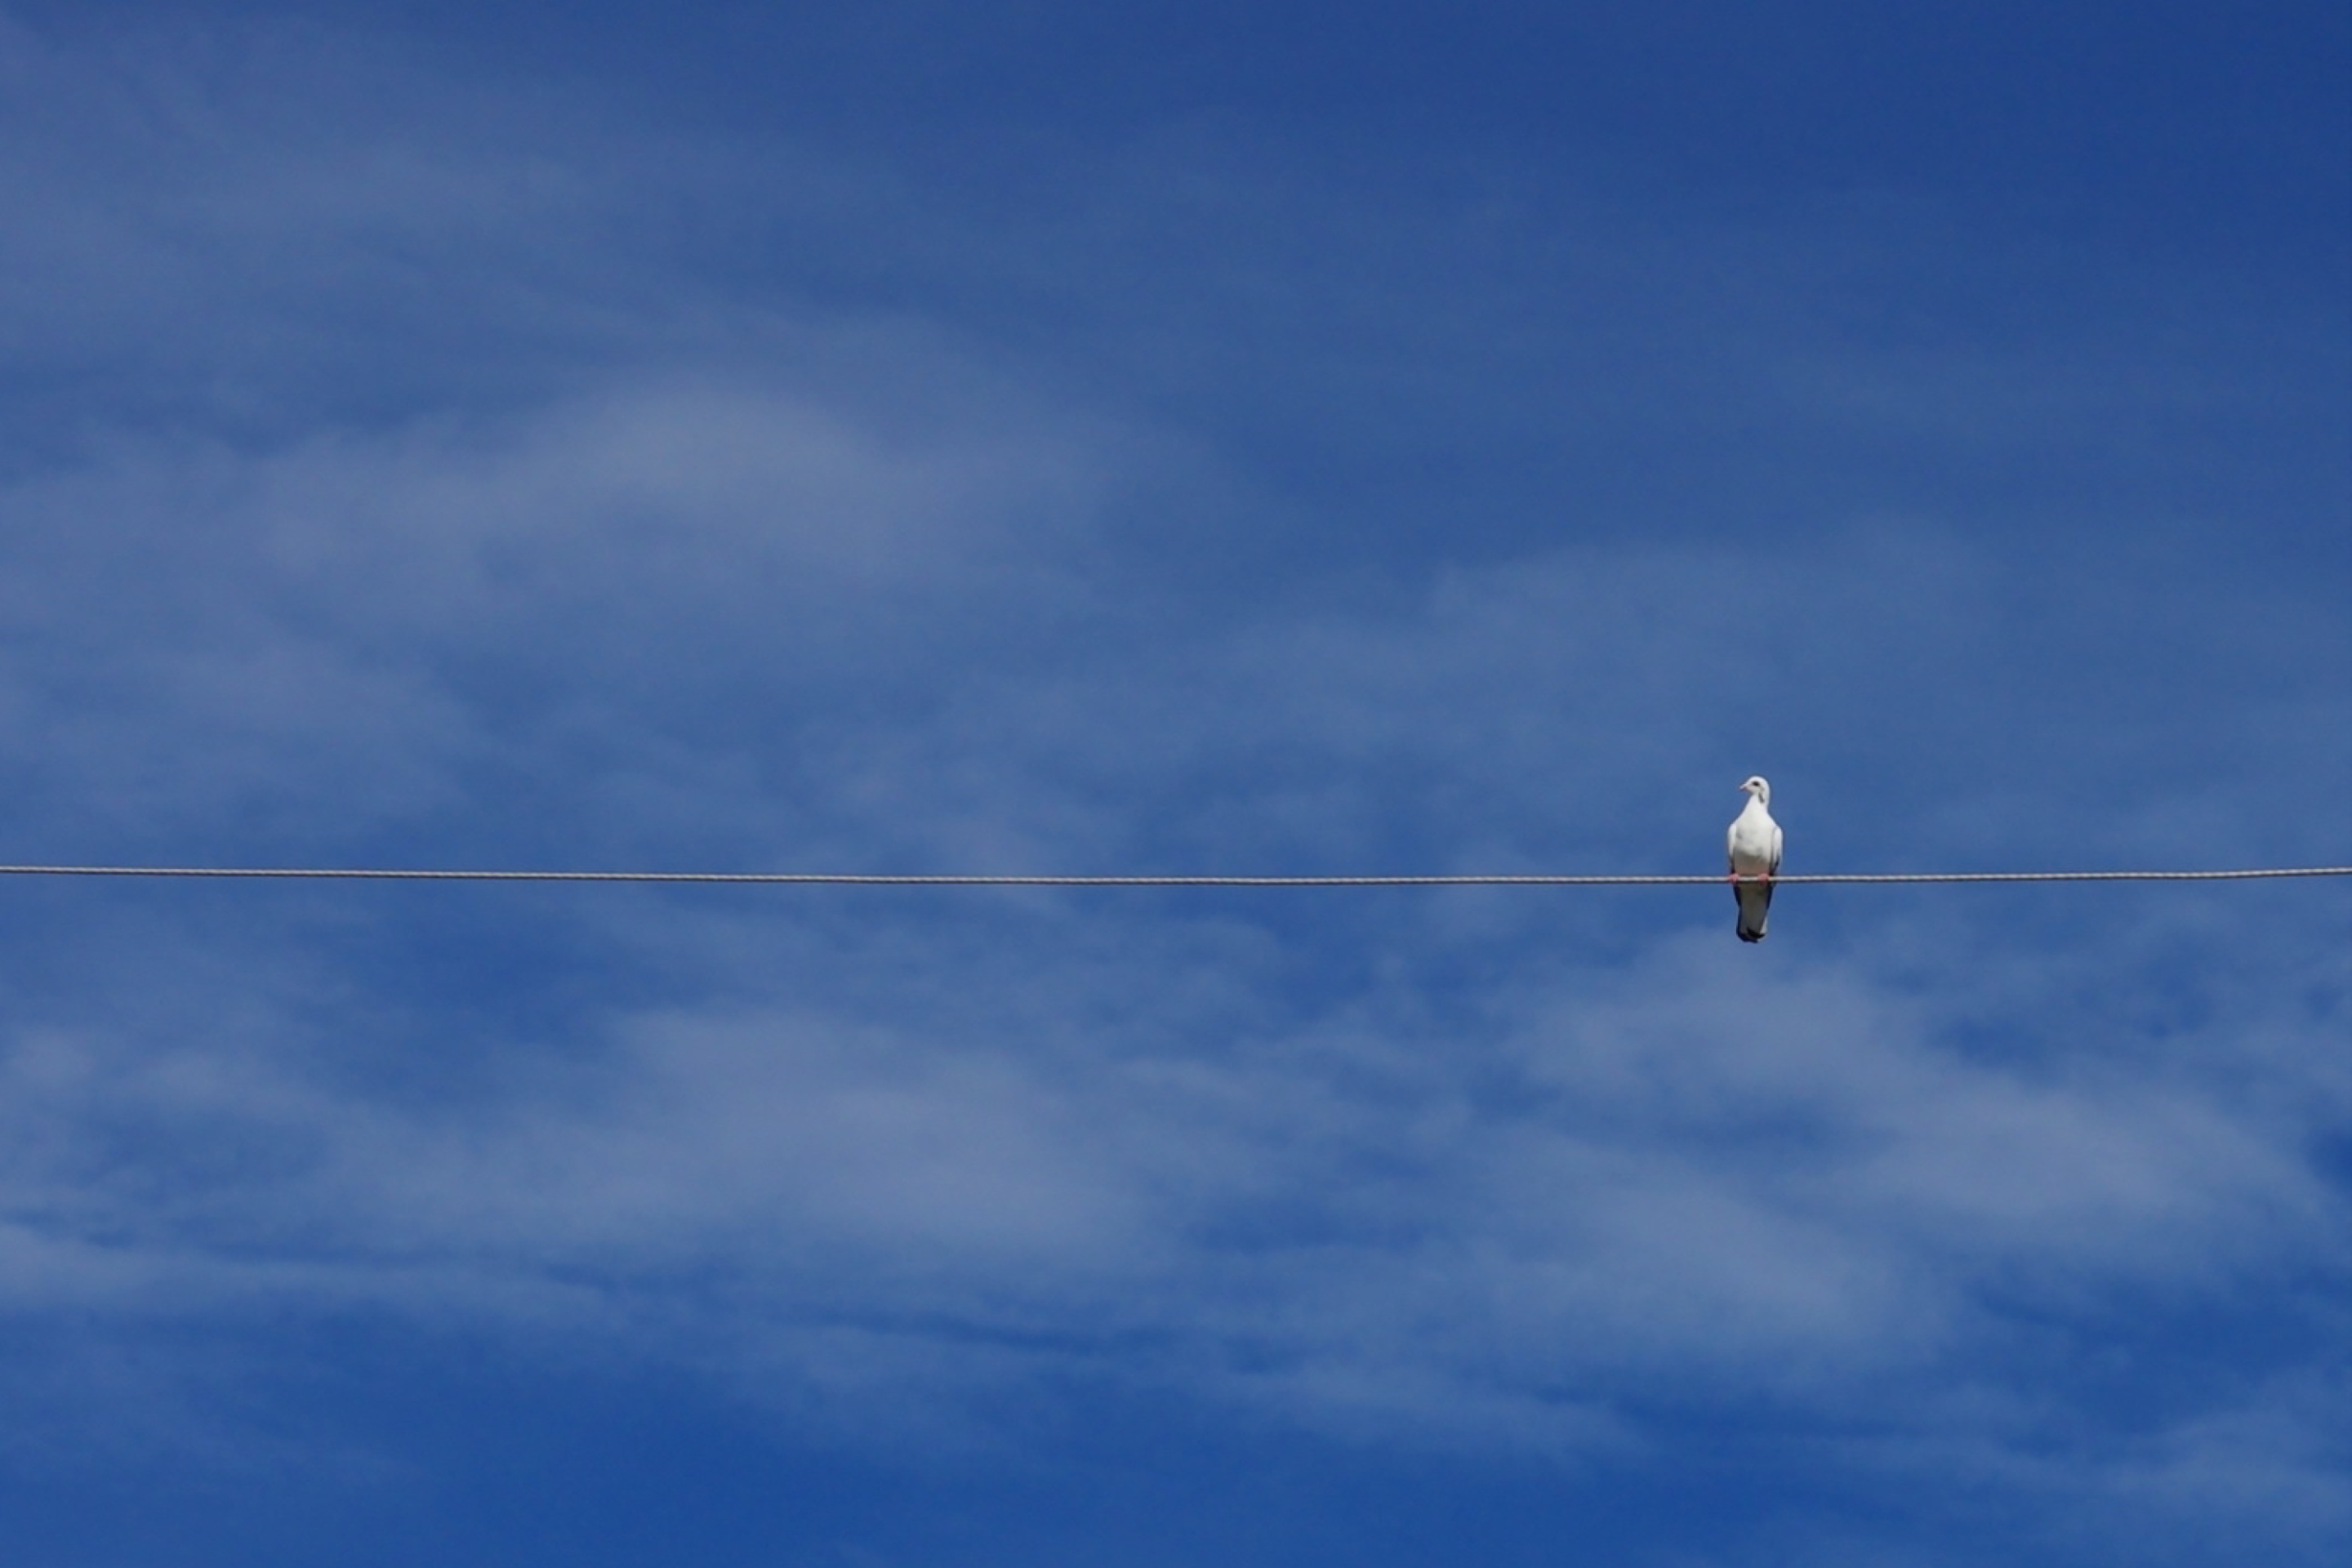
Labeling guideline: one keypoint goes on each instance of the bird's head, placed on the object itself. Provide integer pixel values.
(1757, 787)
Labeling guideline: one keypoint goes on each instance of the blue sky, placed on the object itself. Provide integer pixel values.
(1276, 439)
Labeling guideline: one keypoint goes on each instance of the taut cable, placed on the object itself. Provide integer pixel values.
(995, 880)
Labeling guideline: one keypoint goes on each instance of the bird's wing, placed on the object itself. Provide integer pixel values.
(1775, 869)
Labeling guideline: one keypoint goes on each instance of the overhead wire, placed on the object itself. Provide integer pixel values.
(1023, 880)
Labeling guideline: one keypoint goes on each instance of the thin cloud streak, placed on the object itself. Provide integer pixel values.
(888, 585)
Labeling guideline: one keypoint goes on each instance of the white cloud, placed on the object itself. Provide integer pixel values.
(1481, 1169)
(1676, 1176)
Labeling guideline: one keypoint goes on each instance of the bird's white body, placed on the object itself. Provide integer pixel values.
(1754, 843)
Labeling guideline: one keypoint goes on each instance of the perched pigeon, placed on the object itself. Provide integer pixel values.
(1755, 845)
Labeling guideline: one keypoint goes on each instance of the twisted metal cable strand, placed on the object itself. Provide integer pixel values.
(992, 879)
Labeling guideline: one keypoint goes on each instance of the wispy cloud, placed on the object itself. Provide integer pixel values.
(725, 570)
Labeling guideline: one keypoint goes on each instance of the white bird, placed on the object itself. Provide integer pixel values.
(1755, 845)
